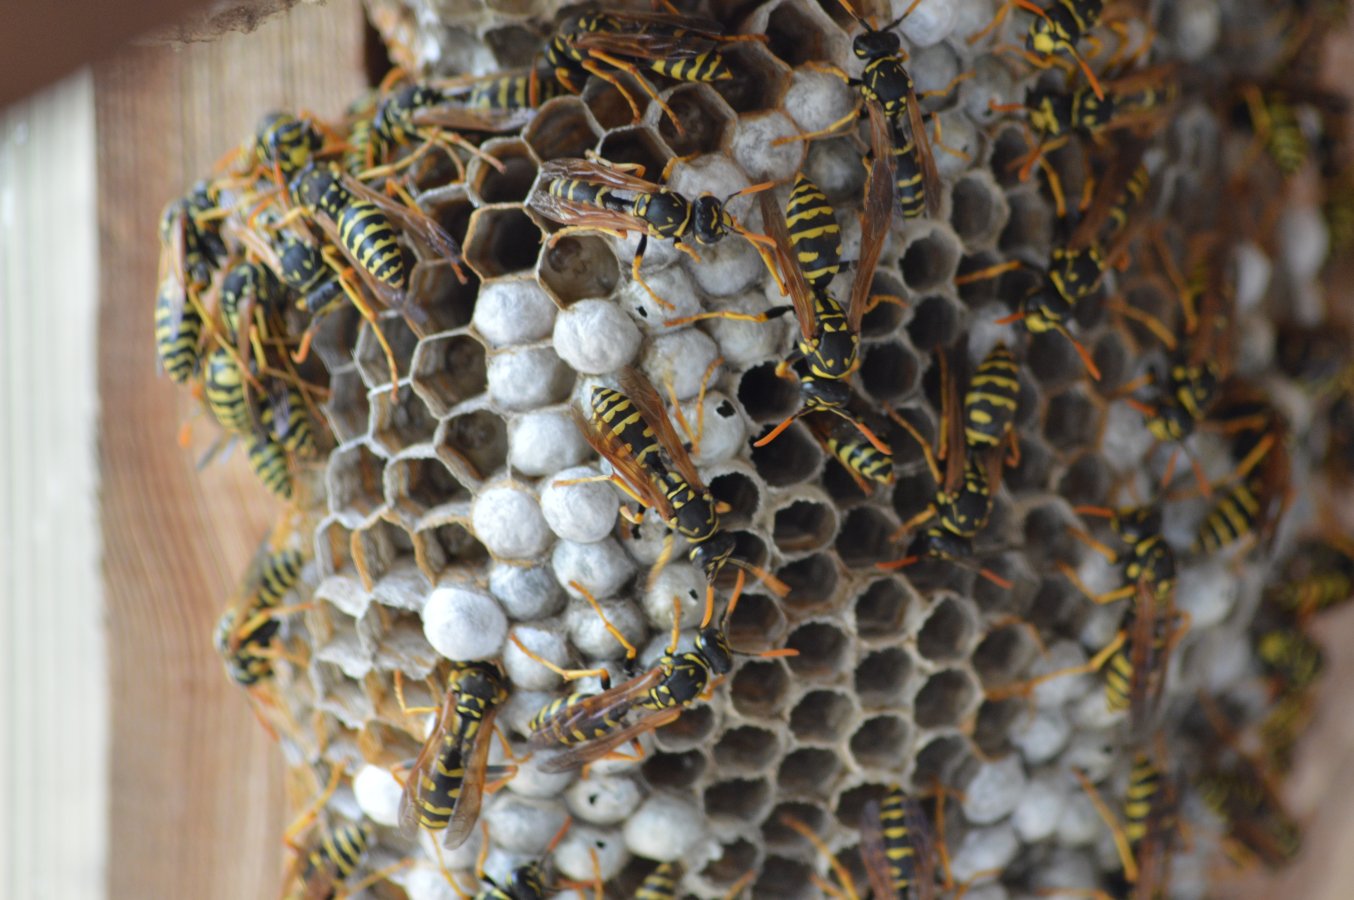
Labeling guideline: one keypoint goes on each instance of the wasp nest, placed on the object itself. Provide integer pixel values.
(455, 514)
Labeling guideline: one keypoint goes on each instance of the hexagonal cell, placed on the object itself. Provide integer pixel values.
(881, 610)
(1004, 653)
(1010, 146)
(374, 549)
(881, 677)
(804, 525)
(438, 296)
(354, 480)
(993, 723)
(978, 209)
(1029, 229)
(809, 772)
(938, 762)
(579, 267)
(736, 860)
(797, 34)
(397, 635)
(448, 370)
(822, 717)
(889, 371)
(705, 119)
(741, 494)
(884, 317)
(562, 129)
(784, 879)
(417, 485)
(399, 420)
(1086, 482)
(851, 803)
(502, 240)
(746, 750)
(812, 582)
(944, 699)
(823, 649)
(1048, 534)
(1114, 359)
(347, 407)
(637, 145)
(1073, 419)
(947, 631)
(452, 210)
(884, 742)
(760, 688)
(864, 537)
(335, 335)
(792, 458)
(513, 182)
(674, 771)
(741, 800)
(984, 288)
(935, 323)
(442, 547)
(781, 838)
(929, 260)
(370, 355)
(759, 79)
(757, 624)
(478, 439)
(688, 731)
(765, 396)
(1036, 463)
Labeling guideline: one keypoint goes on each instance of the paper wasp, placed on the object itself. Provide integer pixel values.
(861, 459)
(191, 250)
(444, 787)
(1145, 837)
(1321, 577)
(1148, 558)
(595, 195)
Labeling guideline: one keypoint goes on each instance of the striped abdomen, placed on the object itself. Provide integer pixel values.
(707, 66)
(860, 456)
(909, 180)
(660, 884)
(814, 234)
(289, 424)
(614, 411)
(178, 331)
(370, 239)
(510, 92)
(569, 720)
(898, 841)
(1232, 518)
(1144, 801)
(225, 390)
(441, 786)
(340, 851)
(991, 400)
(269, 462)
(280, 572)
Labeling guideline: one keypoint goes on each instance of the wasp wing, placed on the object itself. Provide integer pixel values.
(431, 754)
(801, 295)
(476, 762)
(610, 448)
(644, 395)
(648, 719)
(878, 213)
(872, 852)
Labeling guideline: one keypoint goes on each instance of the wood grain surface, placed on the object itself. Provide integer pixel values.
(196, 786)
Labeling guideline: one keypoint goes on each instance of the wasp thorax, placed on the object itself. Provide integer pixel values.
(712, 553)
(709, 219)
(310, 185)
(714, 646)
(874, 44)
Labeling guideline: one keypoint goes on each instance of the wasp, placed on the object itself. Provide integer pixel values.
(285, 143)
(270, 463)
(178, 333)
(584, 727)
(595, 195)
(191, 250)
(1290, 657)
(991, 402)
(444, 788)
(1144, 837)
(599, 43)
(1057, 29)
(898, 847)
(1256, 820)
(815, 237)
(1148, 558)
(660, 884)
(1322, 576)
(228, 396)
(1259, 496)
(861, 459)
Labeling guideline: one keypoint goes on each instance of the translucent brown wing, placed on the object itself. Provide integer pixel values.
(591, 751)
(413, 782)
(434, 239)
(1110, 191)
(873, 854)
(645, 45)
(952, 426)
(569, 212)
(465, 118)
(1149, 665)
(695, 26)
(644, 395)
(476, 762)
(926, 157)
(610, 448)
(588, 170)
(801, 295)
(923, 850)
(878, 213)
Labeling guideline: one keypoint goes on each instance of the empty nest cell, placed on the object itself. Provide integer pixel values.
(864, 537)
(881, 678)
(354, 483)
(579, 267)
(740, 800)
(944, 699)
(792, 458)
(883, 742)
(809, 772)
(822, 717)
(804, 525)
(502, 240)
(399, 420)
(674, 771)
(563, 129)
(508, 182)
(370, 355)
(881, 610)
(417, 485)
(746, 749)
(448, 370)
(889, 371)
(705, 117)
(947, 632)
(812, 582)
(822, 647)
(477, 439)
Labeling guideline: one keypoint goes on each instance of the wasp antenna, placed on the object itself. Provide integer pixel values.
(775, 432)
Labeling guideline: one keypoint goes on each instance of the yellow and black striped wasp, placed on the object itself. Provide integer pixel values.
(861, 459)
(660, 884)
(1148, 558)
(815, 236)
(898, 847)
(1320, 576)
(1054, 30)
(445, 786)
(191, 251)
(683, 48)
(595, 195)
(583, 727)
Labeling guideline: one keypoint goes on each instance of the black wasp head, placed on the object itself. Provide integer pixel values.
(824, 393)
(1138, 523)
(709, 220)
(714, 646)
(308, 186)
(871, 44)
(527, 882)
(712, 553)
(478, 679)
(940, 543)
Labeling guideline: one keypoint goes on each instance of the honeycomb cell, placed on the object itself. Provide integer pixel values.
(978, 210)
(674, 771)
(399, 420)
(477, 440)
(784, 879)
(738, 801)
(780, 838)
(740, 493)
(1053, 361)
(823, 650)
(501, 240)
(397, 639)
(489, 184)
(808, 772)
(1010, 145)
(441, 301)
(765, 396)
(1029, 229)
(417, 485)
(851, 803)
(929, 260)
(1114, 359)
(982, 289)
(947, 633)
(760, 689)
(889, 371)
(881, 610)
(883, 742)
(1004, 653)
(759, 79)
(448, 370)
(993, 723)
(354, 484)
(375, 547)
(705, 118)
(1086, 481)
(439, 548)
(689, 731)
(1048, 535)
(452, 210)
(804, 525)
(735, 861)
(792, 458)
(935, 323)
(563, 129)
(939, 761)
(864, 537)
(822, 717)
(746, 750)
(757, 624)
(812, 582)
(347, 407)
(637, 145)
(335, 336)
(881, 677)
(1073, 419)
(945, 699)
(1036, 464)
(513, 45)
(578, 267)
(797, 33)
(370, 356)
(332, 555)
